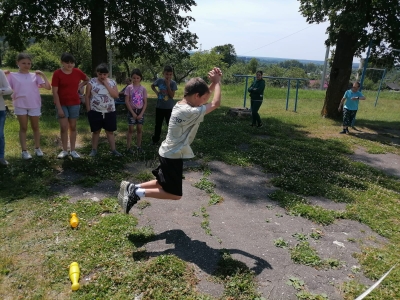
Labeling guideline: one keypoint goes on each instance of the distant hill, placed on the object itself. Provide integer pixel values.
(277, 60)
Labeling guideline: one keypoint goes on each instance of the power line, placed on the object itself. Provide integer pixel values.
(279, 39)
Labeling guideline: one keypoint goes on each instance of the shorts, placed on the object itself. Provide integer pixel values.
(169, 175)
(32, 112)
(70, 111)
(132, 120)
(99, 120)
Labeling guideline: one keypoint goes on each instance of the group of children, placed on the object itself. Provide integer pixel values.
(99, 99)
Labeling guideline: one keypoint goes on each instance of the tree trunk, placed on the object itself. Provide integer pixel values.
(98, 33)
(340, 74)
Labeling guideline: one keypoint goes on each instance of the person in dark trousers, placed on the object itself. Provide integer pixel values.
(165, 90)
(256, 91)
(349, 104)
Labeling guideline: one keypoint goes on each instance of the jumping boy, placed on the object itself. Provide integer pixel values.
(185, 120)
(165, 101)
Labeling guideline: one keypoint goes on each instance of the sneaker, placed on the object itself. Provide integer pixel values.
(3, 162)
(343, 131)
(347, 131)
(38, 152)
(127, 197)
(139, 149)
(129, 151)
(116, 153)
(62, 154)
(74, 154)
(260, 125)
(25, 155)
(93, 153)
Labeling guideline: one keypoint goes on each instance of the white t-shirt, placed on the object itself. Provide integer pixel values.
(100, 98)
(183, 125)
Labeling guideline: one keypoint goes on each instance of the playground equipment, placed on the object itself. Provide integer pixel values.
(272, 77)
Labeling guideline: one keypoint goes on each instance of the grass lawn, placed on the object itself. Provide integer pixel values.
(303, 150)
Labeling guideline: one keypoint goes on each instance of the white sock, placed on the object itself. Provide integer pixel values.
(138, 185)
(141, 192)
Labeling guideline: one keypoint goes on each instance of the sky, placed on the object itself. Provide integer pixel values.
(265, 28)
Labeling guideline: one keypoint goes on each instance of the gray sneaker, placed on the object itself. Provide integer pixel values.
(127, 197)
(93, 153)
(62, 154)
(38, 152)
(74, 154)
(3, 162)
(26, 155)
(116, 153)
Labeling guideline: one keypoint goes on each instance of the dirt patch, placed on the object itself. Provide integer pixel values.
(67, 187)
(246, 223)
(240, 225)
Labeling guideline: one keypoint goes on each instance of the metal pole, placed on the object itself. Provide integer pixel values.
(380, 86)
(287, 95)
(325, 67)
(365, 65)
(245, 92)
(297, 93)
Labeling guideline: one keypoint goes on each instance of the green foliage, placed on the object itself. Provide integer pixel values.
(237, 278)
(204, 61)
(42, 59)
(253, 65)
(281, 243)
(228, 52)
(133, 25)
(10, 58)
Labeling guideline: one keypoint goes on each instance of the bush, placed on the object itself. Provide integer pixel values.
(43, 60)
(10, 57)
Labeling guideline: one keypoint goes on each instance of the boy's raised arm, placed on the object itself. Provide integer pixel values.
(215, 77)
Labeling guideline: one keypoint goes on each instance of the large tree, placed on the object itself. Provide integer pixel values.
(138, 28)
(228, 53)
(352, 25)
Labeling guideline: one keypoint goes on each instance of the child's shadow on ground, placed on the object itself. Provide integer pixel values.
(197, 252)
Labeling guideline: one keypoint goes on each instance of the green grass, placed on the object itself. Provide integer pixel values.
(304, 152)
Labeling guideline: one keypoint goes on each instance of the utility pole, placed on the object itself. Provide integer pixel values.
(325, 67)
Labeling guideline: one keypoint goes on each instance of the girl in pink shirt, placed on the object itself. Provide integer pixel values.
(26, 100)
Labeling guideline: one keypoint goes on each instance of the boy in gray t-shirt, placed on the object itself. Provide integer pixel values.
(184, 123)
(165, 101)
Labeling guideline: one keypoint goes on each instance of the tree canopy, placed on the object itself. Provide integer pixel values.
(228, 53)
(136, 28)
(352, 25)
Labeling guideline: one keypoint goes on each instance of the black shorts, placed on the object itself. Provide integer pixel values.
(169, 175)
(98, 120)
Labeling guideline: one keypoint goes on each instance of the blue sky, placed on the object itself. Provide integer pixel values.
(269, 28)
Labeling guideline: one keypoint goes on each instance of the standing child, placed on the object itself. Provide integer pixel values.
(185, 121)
(100, 105)
(349, 104)
(136, 102)
(66, 83)
(26, 100)
(165, 101)
(5, 90)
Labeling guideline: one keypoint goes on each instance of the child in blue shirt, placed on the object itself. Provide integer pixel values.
(350, 100)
